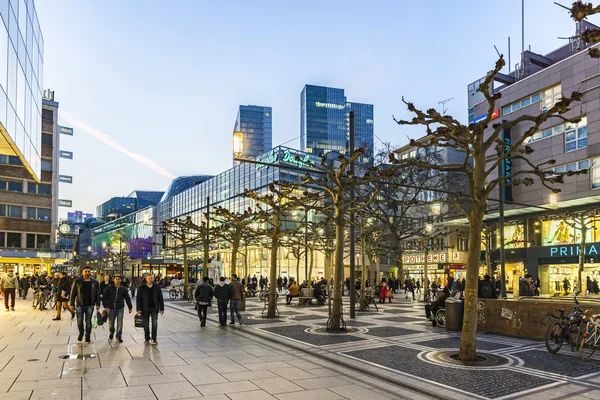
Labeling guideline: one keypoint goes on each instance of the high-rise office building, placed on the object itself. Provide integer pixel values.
(255, 124)
(21, 66)
(324, 122)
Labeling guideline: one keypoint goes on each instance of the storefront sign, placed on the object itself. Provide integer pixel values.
(288, 157)
(420, 258)
(506, 168)
(456, 266)
(270, 159)
(572, 250)
(484, 116)
(455, 256)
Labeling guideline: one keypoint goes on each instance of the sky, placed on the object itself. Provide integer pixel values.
(152, 87)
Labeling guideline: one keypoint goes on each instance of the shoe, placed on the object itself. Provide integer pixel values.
(80, 337)
(232, 323)
(119, 340)
(146, 342)
(240, 321)
(153, 342)
(12, 308)
(72, 315)
(110, 337)
(56, 319)
(88, 340)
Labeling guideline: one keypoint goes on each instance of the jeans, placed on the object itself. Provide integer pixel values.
(289, 297)
(118, 314)
(202, 314)
(222, 305)
(152, 314)
(234, 308)
(11, 293)
(85, 312)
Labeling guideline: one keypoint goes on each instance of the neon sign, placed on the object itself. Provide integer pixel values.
(288, 157)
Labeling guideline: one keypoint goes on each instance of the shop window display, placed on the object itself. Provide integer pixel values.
(514, 236)
(563, 232)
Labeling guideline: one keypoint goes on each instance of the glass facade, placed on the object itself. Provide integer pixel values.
(255, 122)
(21, 66)
(325, 125)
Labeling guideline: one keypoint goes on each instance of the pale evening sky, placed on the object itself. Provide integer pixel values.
(152, 86)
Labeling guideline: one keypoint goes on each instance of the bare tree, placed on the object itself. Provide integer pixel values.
(232, 227)
(485, 150)
(580, 11)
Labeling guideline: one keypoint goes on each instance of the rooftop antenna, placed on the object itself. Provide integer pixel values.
(443, 104)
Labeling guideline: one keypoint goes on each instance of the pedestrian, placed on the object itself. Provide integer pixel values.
(62, 295)
(236, 294)
(113, 299)
(24, 284)
(525, 286)
(203, 296)
(8, 285)
(486, 289)
(104, 284)
(222, 294)
(149, 303)
(18, 284)
(279, 284)
(85, 294)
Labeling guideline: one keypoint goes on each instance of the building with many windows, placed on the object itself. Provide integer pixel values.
(255, 123)
(536, 240)
(324, 122)
(118, 207)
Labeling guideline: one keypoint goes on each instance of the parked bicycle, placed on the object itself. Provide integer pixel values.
(591, 336)
(567, 328)
(176, 293)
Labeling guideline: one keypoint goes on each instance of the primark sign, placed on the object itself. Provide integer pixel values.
(572, 250)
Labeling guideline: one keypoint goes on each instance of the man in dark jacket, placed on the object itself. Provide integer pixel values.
(525, 286)
(149, 303)
(431, 309)
(235, 296)
(203, 296)
(486, 289)
(222, 292)
(24, 285)
(113, 299)
(62, 295)
(85, 294)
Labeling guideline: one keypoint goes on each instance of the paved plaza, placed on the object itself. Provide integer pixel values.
(391, 354)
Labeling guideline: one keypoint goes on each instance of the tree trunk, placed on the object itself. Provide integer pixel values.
(399, 264)
(273, 271)
(424, 283)
(468, 338)
(338, 272)
(205, 248)
(186, 274)
(234, 252)
(363, 270)
(581, 257)
(488, 247)
(298, 268)
(311, 259)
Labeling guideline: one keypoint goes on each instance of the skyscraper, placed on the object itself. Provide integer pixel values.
(324, 122)
(255, 124)
(21, 65)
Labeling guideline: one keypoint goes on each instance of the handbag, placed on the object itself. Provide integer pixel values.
(100, 318)
(138, 321)
(95, 320)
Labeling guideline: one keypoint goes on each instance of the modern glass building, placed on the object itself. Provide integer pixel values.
(21, 66)
(325, 125)
(118, 207)
(255, 123)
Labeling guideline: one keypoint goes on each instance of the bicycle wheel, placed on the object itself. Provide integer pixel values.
(587, 348)
(51, 302)
(554, 338)
(190, 297)
(42, 302)
(440, 318)
(173, 294)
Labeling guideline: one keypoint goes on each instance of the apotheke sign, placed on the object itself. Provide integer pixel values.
(572, 250)
(420, 258)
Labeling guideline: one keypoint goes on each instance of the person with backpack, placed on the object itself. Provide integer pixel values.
(203, 296)
(486, 289)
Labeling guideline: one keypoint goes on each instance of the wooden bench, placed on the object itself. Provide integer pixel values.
(305, 300)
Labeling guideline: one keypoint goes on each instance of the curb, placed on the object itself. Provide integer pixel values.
(331, 357)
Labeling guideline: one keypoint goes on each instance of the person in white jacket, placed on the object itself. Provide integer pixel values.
(8, 284)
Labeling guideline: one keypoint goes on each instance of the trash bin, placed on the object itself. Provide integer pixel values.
(454, 314)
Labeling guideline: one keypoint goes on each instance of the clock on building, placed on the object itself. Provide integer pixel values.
(64, 229)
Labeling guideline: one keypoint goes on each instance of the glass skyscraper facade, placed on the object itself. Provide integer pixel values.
(325, 125)
(21, 66)
(255, 122)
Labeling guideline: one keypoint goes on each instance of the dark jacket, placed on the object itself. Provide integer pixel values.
(440, 301)
(235, 290)
(222, 292)
(482, 293)
(64, 285)
(76, 296)
(524, 288)
(116, 297)
(24, 283)
(142, 298)
(204, 293)
(103, 286)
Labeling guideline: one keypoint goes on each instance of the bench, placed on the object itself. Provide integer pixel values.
(305, 300)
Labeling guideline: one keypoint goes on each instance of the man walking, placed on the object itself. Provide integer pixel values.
(149, 303)
(8, 284)
(24, 285)
(235, 298)
(203, 296)
(85, 294)
(62, 295)
(114, 299)
(222, 293)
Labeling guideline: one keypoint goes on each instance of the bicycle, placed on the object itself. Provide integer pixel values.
(565, 328)
(591, 337)
(175, 293)
(40, 298)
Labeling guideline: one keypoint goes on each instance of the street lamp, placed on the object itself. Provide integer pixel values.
(553, 200)
(429, 228)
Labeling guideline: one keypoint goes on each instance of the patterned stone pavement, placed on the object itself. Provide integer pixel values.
(40, 359)
(396, 344)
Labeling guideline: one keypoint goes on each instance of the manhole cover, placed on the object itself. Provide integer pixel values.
(34, 359)
(324, 331)
(449, 358)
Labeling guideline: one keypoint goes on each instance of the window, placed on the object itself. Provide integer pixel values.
(2, 239)
(2, 185)
(43, 241)
(595, 174)
(43, 213)
(46, 139)
(2, 210)
(46, 165)
(575, 166)
(13, 239)
(31, 187)
(47, 115)
(31, 213)
(14, 160)
(562, 128)
(523, 102)
(576, 135)
(550, 97)
(44, 189)
(471, 114)
(463, 244)
(30, 244)
(15, 211)
(15, 186)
